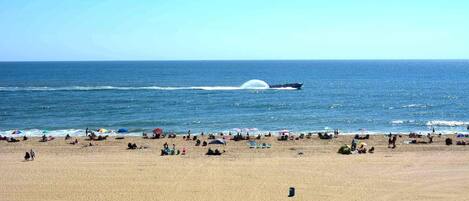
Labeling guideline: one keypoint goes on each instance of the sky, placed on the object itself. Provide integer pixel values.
(61, 30)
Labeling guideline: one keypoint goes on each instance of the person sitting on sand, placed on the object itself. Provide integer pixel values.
(44, 138)
(372, 150)
(92, 136)
(27, 156)
(197, 143)
(194, 138)
(67, 137)
(449, 141)
(209, 151)
(74, 142)
(211, 136)
(12, 139)
(25, 138)
(361, 149)
(204, 143)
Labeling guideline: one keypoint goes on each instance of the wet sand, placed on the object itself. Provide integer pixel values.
(108, 171)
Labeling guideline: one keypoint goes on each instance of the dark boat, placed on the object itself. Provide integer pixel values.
(289, 85)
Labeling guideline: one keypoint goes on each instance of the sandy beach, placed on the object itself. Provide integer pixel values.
(108, 171)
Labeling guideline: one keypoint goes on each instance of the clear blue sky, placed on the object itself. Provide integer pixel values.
(241, 29)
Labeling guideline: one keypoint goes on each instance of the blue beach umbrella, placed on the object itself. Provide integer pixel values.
(123, 130)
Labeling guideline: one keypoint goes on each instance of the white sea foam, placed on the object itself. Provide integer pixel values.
(415, 106)
(252, 131)
(402, 121)
(446, 123)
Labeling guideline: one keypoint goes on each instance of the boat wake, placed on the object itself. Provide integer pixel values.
(249, 85)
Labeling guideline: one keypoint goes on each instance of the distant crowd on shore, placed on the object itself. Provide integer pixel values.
(358, 144)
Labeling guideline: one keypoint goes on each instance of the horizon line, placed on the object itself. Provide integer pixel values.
(215, 60)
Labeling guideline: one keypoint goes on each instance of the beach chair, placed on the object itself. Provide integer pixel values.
(252, 144)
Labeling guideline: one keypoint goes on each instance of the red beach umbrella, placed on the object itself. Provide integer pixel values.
(157, 131)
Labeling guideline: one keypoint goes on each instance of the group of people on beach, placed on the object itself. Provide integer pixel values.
(171, 151)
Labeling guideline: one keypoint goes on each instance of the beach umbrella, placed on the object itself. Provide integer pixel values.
(123, 130)
(217, 141)
(16, 132)
(157, 131)
(102, 130)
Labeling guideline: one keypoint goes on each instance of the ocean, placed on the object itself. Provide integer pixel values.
(356, 96)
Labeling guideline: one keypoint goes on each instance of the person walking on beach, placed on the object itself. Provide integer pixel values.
(389, 140)
(394, 139)
(32, 154)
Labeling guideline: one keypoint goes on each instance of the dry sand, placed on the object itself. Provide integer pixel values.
(108, 171)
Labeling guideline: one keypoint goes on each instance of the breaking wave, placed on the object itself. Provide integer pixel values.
(402, 121)
(446, 123)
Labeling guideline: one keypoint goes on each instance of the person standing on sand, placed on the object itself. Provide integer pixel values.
(32, 154)
(389, 140)
(394, 139)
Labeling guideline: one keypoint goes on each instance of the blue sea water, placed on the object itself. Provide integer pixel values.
(205, 96)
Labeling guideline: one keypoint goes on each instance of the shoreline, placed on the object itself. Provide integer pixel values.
(113, 132)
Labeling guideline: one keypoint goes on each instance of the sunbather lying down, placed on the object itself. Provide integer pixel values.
(254, 144)
(134, 146)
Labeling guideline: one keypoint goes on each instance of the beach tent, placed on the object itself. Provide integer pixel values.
(284, 132)
(122, 130)
(158, 131)
(460, 135)
(217, 141)
(102, 130)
